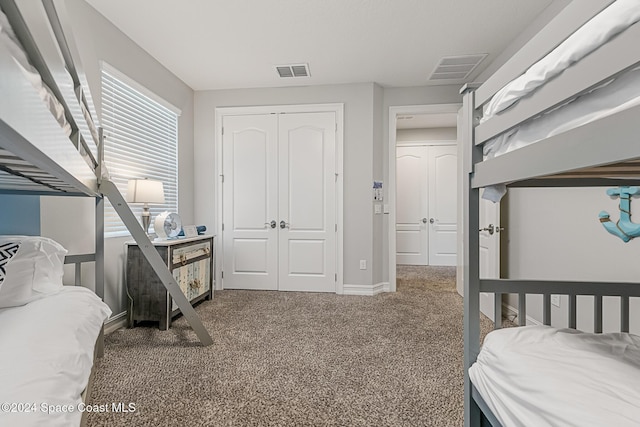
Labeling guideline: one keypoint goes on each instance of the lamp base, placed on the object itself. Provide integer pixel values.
(146, 219)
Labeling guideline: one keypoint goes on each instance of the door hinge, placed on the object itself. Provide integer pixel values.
(222, 176)
(336, 228)
(223, 130)
(222, 276)
(336, 127)
(335, 277)
(222, 227)
(336, 177)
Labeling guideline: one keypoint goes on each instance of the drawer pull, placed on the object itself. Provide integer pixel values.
(183, 259)
(207, 250)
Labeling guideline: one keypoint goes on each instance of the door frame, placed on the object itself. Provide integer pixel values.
(220, 112)
(394, 112)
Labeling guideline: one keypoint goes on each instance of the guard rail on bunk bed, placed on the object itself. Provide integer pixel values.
(579, 127)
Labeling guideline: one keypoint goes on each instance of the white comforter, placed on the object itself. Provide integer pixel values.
(46, 355)
(542, 376)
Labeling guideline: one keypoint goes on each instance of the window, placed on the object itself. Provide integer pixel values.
(141, 142)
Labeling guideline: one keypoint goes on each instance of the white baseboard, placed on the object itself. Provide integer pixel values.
(512, 312)
(367, 290)
(116, 322)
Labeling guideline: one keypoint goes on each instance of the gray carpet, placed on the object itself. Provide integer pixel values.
(296, 359)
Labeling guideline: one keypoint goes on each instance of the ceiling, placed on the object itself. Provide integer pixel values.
(223, 44)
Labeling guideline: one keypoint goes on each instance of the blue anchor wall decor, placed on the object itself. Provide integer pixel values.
(624, 228)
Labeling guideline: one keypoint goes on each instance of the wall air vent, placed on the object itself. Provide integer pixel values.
(456, 67)
(294, 70)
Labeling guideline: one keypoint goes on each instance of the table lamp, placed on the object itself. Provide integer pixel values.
(145, 191)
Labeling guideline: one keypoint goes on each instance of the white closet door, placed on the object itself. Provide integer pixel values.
(307, 202)
(411, 206)
(443, 185)
(250, 201)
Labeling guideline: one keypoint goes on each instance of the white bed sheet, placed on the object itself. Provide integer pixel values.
(46, 355)
(543, 376)
(613, 20)
(616, 95)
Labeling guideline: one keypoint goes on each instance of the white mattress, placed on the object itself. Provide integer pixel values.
(613, 20)
(46, 355)
(543, 376)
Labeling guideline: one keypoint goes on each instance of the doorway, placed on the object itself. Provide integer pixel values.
(280, 198)
(436, 117)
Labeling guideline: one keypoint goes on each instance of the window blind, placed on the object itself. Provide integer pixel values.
(141, 142)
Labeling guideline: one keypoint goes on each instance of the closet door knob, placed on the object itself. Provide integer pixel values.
(271, 224)
(284, 225)
(491, 229)
(424, 220)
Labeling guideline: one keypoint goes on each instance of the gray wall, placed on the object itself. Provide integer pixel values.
(556, 234)
(378, 175)
(70, 220)
(433, 134)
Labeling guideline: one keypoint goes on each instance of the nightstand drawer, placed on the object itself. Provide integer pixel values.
(194, 279)
(186, 254)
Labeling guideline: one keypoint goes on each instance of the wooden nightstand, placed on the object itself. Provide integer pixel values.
(191, 261)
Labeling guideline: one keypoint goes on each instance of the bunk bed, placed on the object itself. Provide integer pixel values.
(553, 116)
(51, 144)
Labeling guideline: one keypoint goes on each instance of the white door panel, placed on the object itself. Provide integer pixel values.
(443, 185)
(411, 206)
(250, 159)
(307, 202)
(489, 252)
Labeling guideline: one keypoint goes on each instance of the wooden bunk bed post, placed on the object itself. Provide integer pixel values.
(471, 254)
(99, 264)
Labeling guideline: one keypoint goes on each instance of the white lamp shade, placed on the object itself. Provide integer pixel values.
(145, 191)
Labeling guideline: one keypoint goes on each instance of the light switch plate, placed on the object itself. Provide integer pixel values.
(377, 208)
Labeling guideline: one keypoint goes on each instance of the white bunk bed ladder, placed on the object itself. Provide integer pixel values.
(110, 190)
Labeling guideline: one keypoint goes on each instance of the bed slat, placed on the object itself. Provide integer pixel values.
(497, 314)
(595, 68)
(624, 314)
(546, 309)
(562, 26)
(573, 311)
(597, 314)
(522, 309)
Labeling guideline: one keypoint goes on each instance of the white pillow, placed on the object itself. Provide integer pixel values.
(31, 268)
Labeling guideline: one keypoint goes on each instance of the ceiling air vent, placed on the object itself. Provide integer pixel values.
(456, 67)
(294, 70)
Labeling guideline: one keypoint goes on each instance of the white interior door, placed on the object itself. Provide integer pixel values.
(307, 221)
(443, 187)
(489, 251)
(250, 202)
(411, 206)
(279, 202)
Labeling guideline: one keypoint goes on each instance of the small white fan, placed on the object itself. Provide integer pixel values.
(167, 225)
